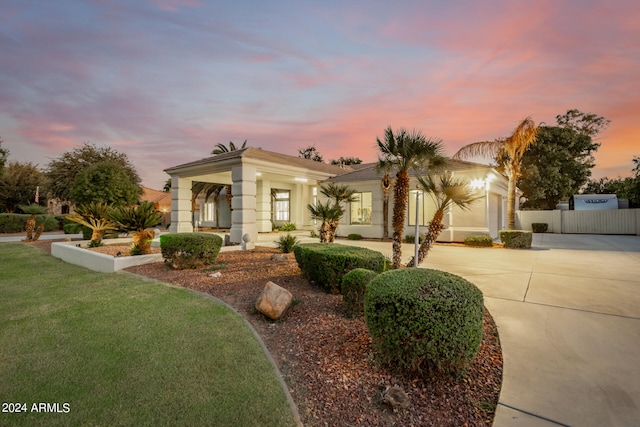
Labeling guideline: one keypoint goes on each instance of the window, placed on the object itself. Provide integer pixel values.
(411, 209)
(361, 208)
(281, 205)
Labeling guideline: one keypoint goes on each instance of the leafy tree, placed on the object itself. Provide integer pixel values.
(19, 183)
(221, 148)
(167, 186)
(4, 155)
(446, 191)
(105, 182)
(556, 166)
(584, 123)
(347, 161)
(310, 153)
(400, 153)
(508, 153)
(62, 171)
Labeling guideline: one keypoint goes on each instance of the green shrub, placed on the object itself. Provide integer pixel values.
(354, 236)
(86, 233)
(539, 227)
(287, 227)
(286, 243)
(354, 284)
(190, 250)
(423, 319)
(50, 222)
(327, 263)
(73, 228)
(410, 238)
(12, 223)
(481, 240)
(516, 239)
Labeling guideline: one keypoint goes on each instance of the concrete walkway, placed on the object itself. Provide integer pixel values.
(568, 313)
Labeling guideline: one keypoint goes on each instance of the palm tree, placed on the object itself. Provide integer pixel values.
(209, 189)
(402, 152)
(331, 213)
(136, 220)
(445, 193)
(386, 186)
(221, 148)
(507, 152)
(96, 217)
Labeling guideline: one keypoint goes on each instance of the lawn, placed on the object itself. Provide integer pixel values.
(115, 349)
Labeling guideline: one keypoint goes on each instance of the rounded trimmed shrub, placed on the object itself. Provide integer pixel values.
(421, 319)
(327, 263)
(354, 236)
(539, 227)
(479, 240)
(516, 239)
(354, 284)
(190, 250)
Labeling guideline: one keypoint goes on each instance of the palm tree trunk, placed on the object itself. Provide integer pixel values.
(324, 231)
(96, 236)
(142, 239)
(386, 186)
(435, 228)
(400, 191)
(511, 203)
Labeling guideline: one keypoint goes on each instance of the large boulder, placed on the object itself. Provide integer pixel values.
(274, 301)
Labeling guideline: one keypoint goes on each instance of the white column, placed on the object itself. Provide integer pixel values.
(180, 205)
(243, 203)
(263, 206)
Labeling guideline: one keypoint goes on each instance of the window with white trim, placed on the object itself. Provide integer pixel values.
(281, 205)
(361, 208)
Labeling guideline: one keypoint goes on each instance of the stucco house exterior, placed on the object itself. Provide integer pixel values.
(271, 188)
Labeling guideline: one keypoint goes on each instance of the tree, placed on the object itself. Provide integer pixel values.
(556, 166)
(584, 123)
(105, 182)
(167, 186)
(310, 153)
(347, 161)
(508, 153)
(221, 148)
(96, 217)
(209, 189)
(62, 171)
(402, 152)
(4, 155)
(331, 212)
(19, 184)
(445, 192)
(136, 220)
(385, 183)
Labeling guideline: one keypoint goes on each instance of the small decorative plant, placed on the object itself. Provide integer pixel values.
(287, 243)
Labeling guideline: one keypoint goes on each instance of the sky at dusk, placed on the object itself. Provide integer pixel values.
(164, 81)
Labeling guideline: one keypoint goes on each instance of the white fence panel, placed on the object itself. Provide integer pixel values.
(621, 221)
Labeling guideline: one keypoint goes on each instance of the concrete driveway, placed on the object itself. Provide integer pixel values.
(568, 313)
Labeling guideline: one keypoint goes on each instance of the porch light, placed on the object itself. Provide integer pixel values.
(477, 183)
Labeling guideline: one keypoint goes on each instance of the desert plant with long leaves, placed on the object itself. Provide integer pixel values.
(137, 220)
(96, 217)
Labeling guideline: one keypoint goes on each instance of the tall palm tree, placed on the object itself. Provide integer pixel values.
(445, 192)
(508, 153)
(402, 152)
(386, 186)
(221, 148)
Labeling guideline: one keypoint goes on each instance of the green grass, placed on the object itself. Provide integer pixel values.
(122, 350)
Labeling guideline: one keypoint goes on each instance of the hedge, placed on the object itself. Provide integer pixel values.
(539, 227)
(15, 223)
(327, 263)
(190, 250)
(354, 284)
(479, 240)
(516, 239)
(421, 319)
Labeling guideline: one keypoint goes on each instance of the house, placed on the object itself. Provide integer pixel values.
(160, 199)
(269, 189)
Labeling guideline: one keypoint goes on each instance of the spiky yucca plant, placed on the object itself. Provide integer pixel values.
(136, 220)
(96, 217)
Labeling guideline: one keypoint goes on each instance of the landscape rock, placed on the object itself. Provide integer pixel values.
(278, 257)
(274, 301)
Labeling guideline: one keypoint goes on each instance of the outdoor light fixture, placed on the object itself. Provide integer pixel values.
(301, 179)
(477, 183)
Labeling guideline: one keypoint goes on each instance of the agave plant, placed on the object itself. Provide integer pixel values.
(136, 220)
(96, 217)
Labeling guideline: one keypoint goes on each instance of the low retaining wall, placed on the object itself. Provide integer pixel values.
(616, 221)
(69, 252)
